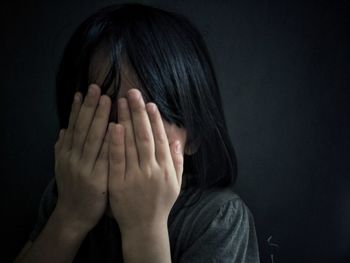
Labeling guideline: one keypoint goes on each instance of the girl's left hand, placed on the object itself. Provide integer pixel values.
(145, 173)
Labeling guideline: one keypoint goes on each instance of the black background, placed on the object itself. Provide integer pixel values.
(284, 71)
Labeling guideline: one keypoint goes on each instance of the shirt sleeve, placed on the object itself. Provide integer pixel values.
(46, 206)
(229, 238)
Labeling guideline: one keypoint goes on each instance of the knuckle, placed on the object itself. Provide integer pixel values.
(78, 131)
(148, 172)
(131, 173)
(166, 174)
(80, 170)
(144, 137)
(148, 169)
(92, 138)
(161, 140)
(72, 162)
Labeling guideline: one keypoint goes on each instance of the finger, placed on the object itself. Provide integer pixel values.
(178, 160)
(101, 164)
(161, 143)
(124, 119)
(96, 132)
(116, 156)
(67, 140)
(142, 127)
(84, 120)
(58, 144)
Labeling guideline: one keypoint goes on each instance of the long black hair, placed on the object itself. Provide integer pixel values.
(172, 63)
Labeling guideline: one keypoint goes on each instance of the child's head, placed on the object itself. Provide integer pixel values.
(164, 56)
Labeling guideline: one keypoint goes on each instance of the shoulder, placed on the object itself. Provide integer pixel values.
(214, 208)
(218, 203)
(219, 223)
(229, 206)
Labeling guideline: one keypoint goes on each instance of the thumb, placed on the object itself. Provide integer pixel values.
(178, 159)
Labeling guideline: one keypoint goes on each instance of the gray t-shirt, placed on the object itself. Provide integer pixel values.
(217, 227)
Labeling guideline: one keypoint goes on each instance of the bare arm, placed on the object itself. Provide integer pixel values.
(58, 242)
(81, 170)
(152, 241)
(144, 179)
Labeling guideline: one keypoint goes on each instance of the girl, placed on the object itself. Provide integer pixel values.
(144, 166)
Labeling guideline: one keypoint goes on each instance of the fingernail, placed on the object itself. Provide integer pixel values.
(77, 97)
(152, 108)
(61, 133)
(92, 91)
(134, 94)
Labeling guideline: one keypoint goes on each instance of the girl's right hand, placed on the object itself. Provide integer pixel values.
(81, 161)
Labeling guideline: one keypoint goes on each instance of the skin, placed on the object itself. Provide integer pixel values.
(141, 162)
(144, 178)
(138, 166)
(129, 82)
(132, 173)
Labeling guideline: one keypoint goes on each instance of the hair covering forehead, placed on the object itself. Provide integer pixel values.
(101, 64)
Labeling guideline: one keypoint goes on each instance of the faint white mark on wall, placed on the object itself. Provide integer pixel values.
(272, 249)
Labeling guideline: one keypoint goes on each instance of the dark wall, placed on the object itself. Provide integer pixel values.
(284, 74)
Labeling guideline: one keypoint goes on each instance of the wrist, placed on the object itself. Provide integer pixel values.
(69, 226)
(152, 239)
(145, 229)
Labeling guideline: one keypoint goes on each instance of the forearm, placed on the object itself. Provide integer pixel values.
(59, 241)
(146, 244)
